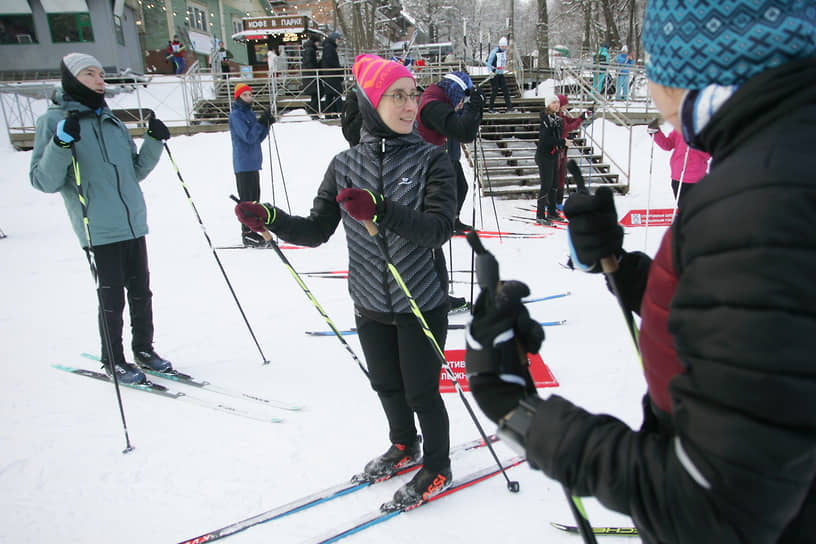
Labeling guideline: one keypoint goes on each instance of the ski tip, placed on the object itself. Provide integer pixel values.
(560, 526)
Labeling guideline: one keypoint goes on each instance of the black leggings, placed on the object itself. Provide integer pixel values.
(461, 186)
(547, 191)
(404, 371)
(121, 266)
(684, 190)
(249, 188)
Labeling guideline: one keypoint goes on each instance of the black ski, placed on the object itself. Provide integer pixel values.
(531, 221)
(390, 510)
(186, 379)
(157, 389)
(630, 531)
(319, 497)
(451, 327)
(238, 246)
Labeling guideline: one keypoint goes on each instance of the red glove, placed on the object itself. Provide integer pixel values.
(361, 204)
(255, 216)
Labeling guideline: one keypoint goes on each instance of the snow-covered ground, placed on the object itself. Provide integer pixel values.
(62, 472)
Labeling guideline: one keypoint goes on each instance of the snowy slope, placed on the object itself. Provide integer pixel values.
(62, 473)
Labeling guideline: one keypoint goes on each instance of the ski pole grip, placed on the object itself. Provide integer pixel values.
(371, 227)
(265, 232)
(609, 264)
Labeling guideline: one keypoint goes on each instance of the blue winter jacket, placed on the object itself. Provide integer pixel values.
(497, 60)
(624, 60)
(247, 134)
(110, 170)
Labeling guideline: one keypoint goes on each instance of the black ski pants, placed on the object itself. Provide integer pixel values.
(497, 82)
(404, 372)
(684, 188)
(123, 266)
(548, 189)
(461, 186)
(249, 189)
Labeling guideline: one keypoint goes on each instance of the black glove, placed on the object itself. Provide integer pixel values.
(498, 339)
(594, 231)
(477, 98)
(67, 131)
(654, 125)
(266, 118)
(158, 130)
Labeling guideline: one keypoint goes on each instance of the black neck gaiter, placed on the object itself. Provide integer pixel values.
(80, 92)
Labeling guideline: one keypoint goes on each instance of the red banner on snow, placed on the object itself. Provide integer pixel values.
(657, 217)
(456, 359)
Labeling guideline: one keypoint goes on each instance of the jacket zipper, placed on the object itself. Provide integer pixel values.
(381, 233)
(118, 180)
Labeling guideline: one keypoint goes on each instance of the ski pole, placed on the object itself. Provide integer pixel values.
(680, 183)
(649, 197)
(271, 169)
(489, 185)
(609, 264)
(271, 242)
(215, 255)
(488, 272)
(280, 166)
(512, 486)
(94, 272)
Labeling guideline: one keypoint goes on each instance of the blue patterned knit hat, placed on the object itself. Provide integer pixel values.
(694, 43)
(454, 85)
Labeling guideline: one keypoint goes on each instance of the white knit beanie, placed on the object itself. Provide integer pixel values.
(76, 62)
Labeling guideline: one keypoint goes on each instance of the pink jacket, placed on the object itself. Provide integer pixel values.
(696, 164)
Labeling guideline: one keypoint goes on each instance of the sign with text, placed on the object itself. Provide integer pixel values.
(456, 360)
(275, 23)
(656, 217)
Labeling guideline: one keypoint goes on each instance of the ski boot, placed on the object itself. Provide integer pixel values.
(150, 360)
(423, 486)
(387, 464)
(126, 373)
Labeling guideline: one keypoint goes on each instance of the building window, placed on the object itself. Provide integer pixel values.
(70, 27)
(17, 29)
(237, 25)
(197, 17)
(118, 30)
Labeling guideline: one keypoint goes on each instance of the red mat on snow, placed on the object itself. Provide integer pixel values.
(542, 375)
(658, 217)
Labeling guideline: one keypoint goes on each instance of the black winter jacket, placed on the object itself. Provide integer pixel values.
(549, 137)
(735, 459)
(418, 183)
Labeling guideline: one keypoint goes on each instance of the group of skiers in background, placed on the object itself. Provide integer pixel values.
(727, 448)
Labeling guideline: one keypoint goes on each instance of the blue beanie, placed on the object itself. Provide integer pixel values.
(454, 85)
(691, 44)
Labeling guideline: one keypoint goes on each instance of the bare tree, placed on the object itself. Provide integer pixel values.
(357, 21)
(543, 35)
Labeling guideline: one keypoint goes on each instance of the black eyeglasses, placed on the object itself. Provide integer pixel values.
(401, 97)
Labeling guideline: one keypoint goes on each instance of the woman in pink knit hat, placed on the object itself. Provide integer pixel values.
(687, 165)
(407, 188)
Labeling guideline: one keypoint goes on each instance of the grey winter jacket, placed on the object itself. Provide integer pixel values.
(419, 186)
(110, 170)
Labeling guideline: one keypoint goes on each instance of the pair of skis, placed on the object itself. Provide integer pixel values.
(451, 326)
(355, 483)
(187, 380)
